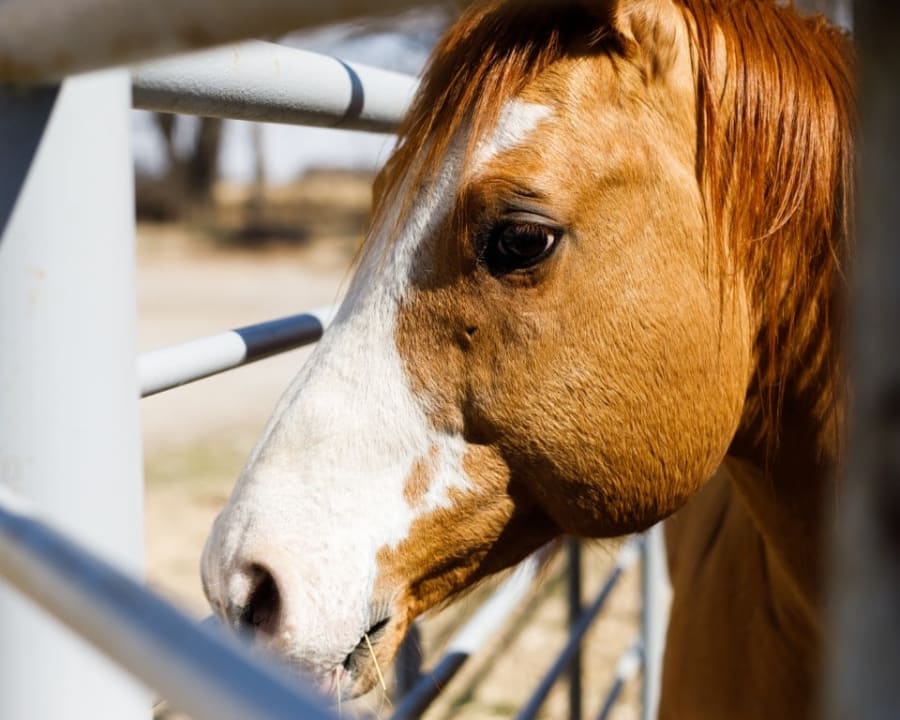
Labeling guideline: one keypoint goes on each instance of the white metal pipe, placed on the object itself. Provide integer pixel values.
(272, 83)
(43, 40)
(70, 438)
(166, 368)
(656, 596)
(194, 668)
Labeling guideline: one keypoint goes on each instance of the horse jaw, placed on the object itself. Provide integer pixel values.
(349, 463)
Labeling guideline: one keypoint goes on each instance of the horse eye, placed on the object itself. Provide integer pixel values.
(518, 246)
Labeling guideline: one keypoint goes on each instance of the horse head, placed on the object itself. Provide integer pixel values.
(540, 339)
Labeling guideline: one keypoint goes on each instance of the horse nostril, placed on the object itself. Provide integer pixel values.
(261, 613)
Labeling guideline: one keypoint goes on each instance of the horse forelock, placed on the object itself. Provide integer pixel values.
(489, 55)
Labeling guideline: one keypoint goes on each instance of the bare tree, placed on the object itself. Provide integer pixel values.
(190, 176)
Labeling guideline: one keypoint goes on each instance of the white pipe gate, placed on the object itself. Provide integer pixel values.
(70, 439)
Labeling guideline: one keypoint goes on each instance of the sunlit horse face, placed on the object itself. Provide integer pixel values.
(536, 342)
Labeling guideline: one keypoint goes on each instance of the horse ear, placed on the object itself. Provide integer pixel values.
(645, 28)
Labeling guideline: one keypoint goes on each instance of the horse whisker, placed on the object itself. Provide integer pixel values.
(338, 676)
(375, 662)
(378, 672)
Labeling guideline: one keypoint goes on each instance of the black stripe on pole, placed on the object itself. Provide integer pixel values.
(277, 336)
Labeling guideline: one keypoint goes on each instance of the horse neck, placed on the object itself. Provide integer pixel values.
(786, 458)
(782, 170)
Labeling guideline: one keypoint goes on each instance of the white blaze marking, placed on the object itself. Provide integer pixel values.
(324, 489)
(517, 121)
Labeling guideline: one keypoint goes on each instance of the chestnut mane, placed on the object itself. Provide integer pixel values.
(774, 155)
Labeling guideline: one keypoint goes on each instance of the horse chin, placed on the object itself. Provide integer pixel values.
(330, 684)
(335, 685)
(342, 685)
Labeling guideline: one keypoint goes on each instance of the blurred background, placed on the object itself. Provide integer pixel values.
(243, 222)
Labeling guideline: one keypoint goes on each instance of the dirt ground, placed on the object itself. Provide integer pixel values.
(196, 438)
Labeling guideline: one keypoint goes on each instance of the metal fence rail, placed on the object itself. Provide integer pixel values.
(274, 83)
(47, 40)
(489, 618)
(170, 367)
(195, 668)
(58, 233)
(655, 598)
(212, 676)
(627, 666)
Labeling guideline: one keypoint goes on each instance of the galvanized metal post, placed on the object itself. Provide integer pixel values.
(68, 412)
(573, 595)
(866, 646)
(655, 592)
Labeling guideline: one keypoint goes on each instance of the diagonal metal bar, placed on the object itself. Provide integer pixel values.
(627, 666)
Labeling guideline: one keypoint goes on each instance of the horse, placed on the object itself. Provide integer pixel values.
(603, 282)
